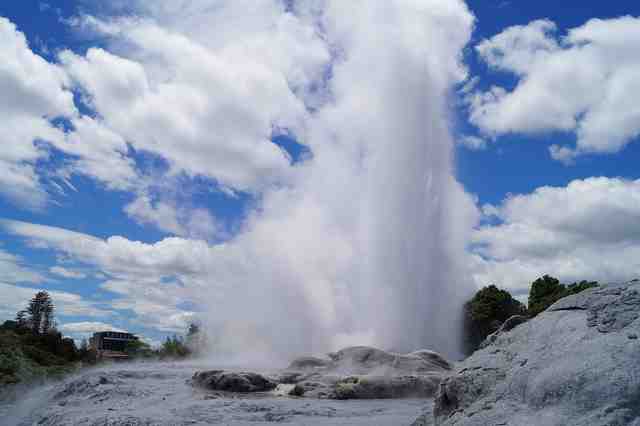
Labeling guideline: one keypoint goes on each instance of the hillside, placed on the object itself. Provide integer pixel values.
(25, 357)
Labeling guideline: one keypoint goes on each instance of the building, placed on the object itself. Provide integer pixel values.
(111, 344)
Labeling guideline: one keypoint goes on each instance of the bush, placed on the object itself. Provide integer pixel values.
(484, 314)
(139, 349)
(174, 347)
(547, 290)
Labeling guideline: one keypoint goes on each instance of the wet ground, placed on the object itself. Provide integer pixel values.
(161, 394)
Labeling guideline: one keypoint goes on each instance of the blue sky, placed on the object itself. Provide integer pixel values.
(165, 192)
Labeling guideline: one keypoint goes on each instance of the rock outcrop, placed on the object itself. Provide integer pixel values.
(362, 372)
(577, 363)
(242, 382)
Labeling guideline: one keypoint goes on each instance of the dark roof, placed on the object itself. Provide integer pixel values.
(118, 334)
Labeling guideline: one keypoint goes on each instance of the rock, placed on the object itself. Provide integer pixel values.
(574, 364)
(379, 387)
(308, 362)
(508, 325)
(233, 381)
(366, 360)
(362, 372)
(297, 390)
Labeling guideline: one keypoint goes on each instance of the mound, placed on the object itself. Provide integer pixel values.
(576, 363)
(362, 372)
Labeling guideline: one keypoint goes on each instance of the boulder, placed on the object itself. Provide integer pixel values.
(297, 390)
(362, 372)
(576, 363)
(242, 382)
(368, 360)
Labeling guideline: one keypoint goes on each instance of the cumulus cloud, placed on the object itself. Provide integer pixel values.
(33, 92)
(169, 216)
(586, 230)
(582, 83)
(213, 116)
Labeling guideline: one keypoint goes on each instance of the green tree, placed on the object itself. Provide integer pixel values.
(138, 349)
(545, 291)
(21, 319)
(174, 347)
(41, 313)
(484, 314)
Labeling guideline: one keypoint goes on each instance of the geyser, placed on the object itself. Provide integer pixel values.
(364, 242)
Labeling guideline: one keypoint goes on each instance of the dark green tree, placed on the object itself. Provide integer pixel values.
(576, 287)
(35, 311)
(543, 293)
(138, 349)
(21, 319)
(547, 290)
(484, 314)
(48, 320)
(174, 347)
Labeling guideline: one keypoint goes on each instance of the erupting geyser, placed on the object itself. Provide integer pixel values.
(364, 243)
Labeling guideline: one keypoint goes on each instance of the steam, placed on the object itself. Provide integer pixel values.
(365, 245)
(361, 243)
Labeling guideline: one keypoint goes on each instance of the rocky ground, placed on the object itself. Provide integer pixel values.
(577, 363)
(387, 389)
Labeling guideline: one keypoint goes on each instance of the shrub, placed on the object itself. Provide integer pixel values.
(484, 314)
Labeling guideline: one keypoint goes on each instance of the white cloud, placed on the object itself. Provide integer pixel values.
(87, 327)
(171, 217)
(473, 143)
(13, 269)
(583, 83)
(33, 92)
(67, 273)
(15, 298)
(212, 116)
(586, 230)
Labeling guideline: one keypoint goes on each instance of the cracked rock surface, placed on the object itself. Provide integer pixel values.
(577, 363)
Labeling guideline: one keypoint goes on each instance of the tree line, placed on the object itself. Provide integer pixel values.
(491, 306)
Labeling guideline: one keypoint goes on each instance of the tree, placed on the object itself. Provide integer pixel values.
(484, 314)
(543, 293)
(138, 349)
(35, 311)
(547, 290)
(174, 347)
(21, 319)
(41, 311)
